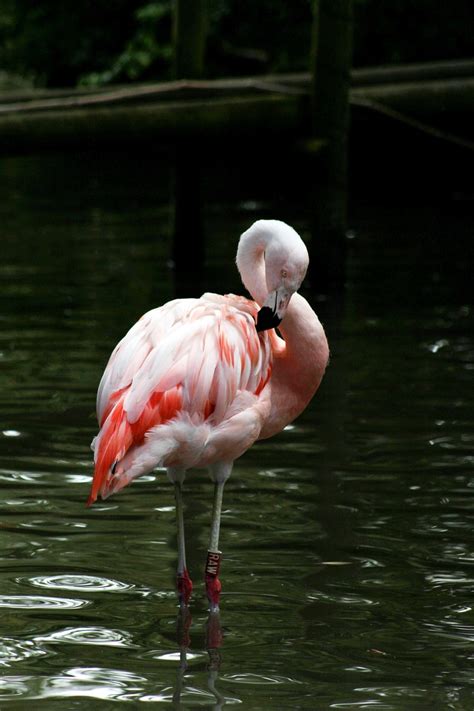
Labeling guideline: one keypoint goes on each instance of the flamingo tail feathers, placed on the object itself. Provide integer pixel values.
(110, 446)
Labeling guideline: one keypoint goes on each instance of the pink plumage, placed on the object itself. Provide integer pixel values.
(184, 378)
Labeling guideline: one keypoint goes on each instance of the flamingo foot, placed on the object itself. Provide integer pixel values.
(184, 587)
(213, 590)
(213, 584)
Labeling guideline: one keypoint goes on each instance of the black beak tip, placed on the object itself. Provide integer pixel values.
(266, 319)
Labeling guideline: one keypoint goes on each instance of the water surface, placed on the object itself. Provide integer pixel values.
(349, 557)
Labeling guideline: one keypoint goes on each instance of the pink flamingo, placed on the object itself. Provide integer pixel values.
(196, 382)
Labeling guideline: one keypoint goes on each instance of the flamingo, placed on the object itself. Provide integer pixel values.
(194, 383)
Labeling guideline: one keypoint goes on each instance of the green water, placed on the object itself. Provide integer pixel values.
(348, 566)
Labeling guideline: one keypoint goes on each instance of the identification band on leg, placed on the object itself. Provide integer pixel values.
(213, 563)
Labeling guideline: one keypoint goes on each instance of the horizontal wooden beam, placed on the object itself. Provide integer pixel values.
(253, 106)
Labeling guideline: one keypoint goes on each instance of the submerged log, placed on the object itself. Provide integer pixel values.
(423, 99)
(291, 82)
(149, 123)
(252, 106)
(400, 73)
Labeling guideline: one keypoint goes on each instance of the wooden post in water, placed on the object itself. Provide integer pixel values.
(331, 60)
(189, 40)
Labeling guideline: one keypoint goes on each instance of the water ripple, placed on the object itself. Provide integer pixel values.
(12, 687)
(346, 599)
(14, 650)
(259, 679)
(93, 682)
(99, 636)
(88, 583)
(37, 602)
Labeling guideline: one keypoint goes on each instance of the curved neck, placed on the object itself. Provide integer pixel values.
(298, 366)
(251, 263)
(301, 329)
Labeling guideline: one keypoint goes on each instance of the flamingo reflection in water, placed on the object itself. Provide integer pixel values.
(213, 640)
(196, 382)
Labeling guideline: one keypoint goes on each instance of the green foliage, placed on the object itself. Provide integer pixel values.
(55, 42)
(95, 41)
(149, 47)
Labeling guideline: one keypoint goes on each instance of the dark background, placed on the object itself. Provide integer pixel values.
(54, 43)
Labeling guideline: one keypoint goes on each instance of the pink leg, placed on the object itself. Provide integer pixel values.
(184, 587)
(213, 584)
(184, 584)
(213, 563)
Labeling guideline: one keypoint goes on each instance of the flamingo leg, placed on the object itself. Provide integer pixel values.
(220, 473)
(184, 583)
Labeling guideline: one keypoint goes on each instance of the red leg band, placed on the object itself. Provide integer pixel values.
(213, 564)
(184, 585)
(213, 584)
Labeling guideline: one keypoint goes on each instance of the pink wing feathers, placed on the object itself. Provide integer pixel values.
(190, 358)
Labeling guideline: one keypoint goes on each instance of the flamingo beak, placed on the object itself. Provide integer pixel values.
(273, 310)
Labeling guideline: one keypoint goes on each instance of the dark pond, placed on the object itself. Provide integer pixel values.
(348, 539)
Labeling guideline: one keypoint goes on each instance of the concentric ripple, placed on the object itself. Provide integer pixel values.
(100, 636)
(38, 602)
(79, 583)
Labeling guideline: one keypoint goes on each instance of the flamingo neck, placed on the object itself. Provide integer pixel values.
(251, 262)
(302, 331)
(298, 366)
(301, 356)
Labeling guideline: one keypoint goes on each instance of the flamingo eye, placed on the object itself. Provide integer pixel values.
(284, 273)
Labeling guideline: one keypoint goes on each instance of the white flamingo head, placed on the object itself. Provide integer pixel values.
(285, 260)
